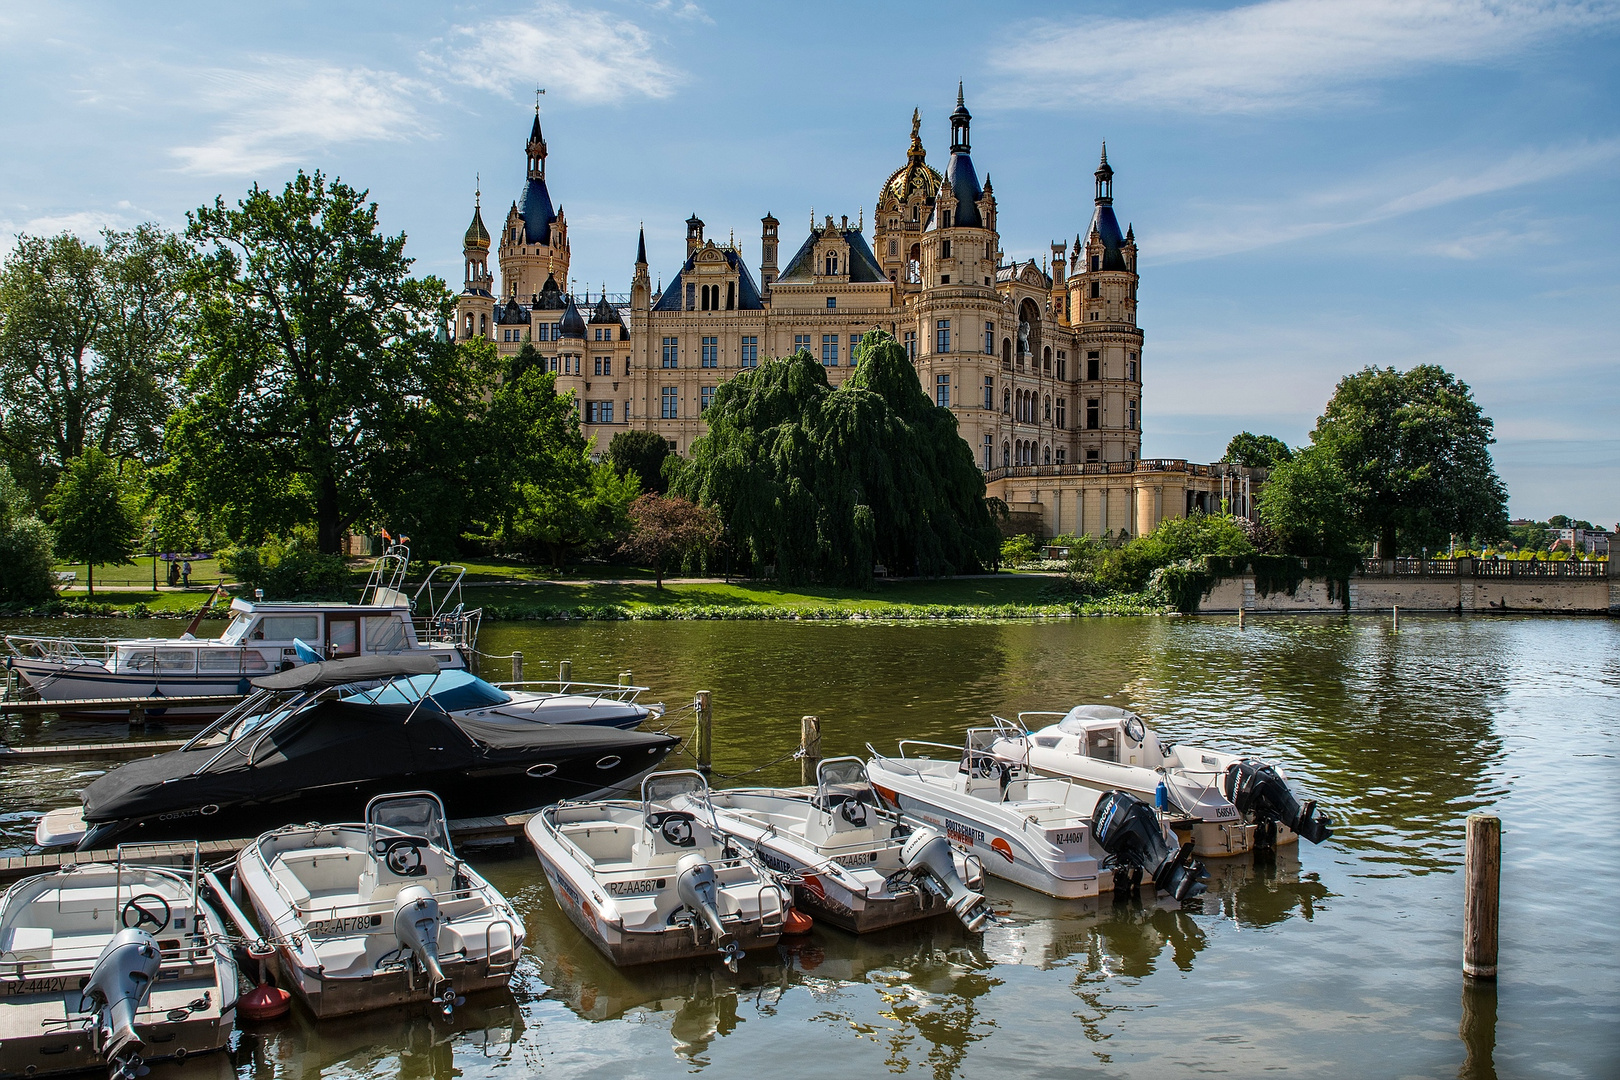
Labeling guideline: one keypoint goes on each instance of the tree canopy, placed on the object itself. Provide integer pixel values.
(663, 526)
(317, 358)
(1256, 451)
(86, 348)
(1306, 505)
(26, 558)
(1414, 451)
(96, 518)
(822, 482)
(641, 453)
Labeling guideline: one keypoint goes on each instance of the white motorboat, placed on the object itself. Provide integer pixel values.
(463, 694)
(368, 916)
(1231, 803)
(262, 637)
(107, 965)
(657, 880)
(1046, 833)
(852, 861)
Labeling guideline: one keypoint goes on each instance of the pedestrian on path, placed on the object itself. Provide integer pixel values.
(185, 574)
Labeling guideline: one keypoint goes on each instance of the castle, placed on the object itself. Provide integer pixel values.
(1042, 369)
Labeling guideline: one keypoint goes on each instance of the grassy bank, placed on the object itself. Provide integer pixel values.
(1005, 596)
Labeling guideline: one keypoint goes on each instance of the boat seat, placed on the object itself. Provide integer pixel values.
(290, 885)
(27, 942)
(601, 843)
(1044, 811)
(341, 955)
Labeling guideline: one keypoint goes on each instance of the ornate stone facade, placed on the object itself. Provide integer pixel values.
(1042, 366)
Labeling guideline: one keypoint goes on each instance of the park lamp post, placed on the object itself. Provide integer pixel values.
(151, 536)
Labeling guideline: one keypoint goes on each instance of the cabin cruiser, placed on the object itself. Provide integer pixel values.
(379, 914)
(658, 880)
(104, 966)
(853, 862)
(1045, 833)
(262, 637)
(1234, 803)
(313, 748)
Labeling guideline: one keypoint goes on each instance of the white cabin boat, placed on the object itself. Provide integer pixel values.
(262, 637)
(852, 861)
(381, 914)
(104, 966)
(1231, 804)
(1036, 831)
(657, 880)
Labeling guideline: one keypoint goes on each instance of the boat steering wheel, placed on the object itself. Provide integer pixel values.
(403, 856)
(854, 812)
(143, 910)
(675, 826)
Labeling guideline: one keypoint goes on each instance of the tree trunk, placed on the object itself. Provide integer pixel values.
(328, 523)
(90, 576)
(658, 571)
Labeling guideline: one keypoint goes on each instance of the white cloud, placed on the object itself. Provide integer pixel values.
(1416, 187)
(1277, 54)
(277, 111)
(578, 53)
(85, 224)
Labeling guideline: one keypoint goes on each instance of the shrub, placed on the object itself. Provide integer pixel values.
(26, 575)
(288, 569)
(1018, 550)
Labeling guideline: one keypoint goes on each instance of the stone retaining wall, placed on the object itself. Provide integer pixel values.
(1375, 593)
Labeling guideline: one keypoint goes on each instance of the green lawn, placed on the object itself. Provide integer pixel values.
(204, 573)
(1008, 589)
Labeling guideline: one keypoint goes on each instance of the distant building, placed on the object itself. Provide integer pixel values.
(1591, 541)
(1042, 365)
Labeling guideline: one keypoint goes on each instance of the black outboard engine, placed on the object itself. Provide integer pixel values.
(1129, 830)
(1261, 795)
(117, 988)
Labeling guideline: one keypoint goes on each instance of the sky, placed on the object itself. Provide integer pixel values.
(1315, 186)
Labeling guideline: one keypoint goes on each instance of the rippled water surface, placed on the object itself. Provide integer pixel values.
(1339, 960)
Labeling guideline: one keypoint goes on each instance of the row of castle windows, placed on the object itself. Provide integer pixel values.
(710, 352)
(707, 297)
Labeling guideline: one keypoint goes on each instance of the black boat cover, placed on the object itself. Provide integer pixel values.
(328, 673)
(330, 743)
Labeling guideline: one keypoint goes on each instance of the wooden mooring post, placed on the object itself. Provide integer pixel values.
(565, 673)
(1395, 617)
(625, 678)
(517, 666)
(1240, 617)
(810, 743)
(1482, 874)
(704, 739)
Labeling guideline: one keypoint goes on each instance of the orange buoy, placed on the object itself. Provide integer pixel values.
(797, 922)
(264, 1003)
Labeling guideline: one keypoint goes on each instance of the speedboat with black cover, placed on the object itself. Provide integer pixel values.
(853, 862)
(307, 753)
(104, 966)
(461, 693)
(1045, 833)
(658, 880)
(381, 913)
(1234, 803)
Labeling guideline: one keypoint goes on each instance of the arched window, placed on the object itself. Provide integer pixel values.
(1046, 357)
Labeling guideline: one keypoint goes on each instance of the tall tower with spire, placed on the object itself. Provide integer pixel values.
(534, 239)
(473, 306)
(1102, 310)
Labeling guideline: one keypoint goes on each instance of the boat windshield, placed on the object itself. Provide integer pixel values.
(449, 691)
(1084, 718)
(660, 790)
(238, 627)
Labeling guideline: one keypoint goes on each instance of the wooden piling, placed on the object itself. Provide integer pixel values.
(1395, 617)
(704, 740)
(625, 678)
(1482, 876)
(517, 667)
(1240, 618)
(565, 673)
(810, 743)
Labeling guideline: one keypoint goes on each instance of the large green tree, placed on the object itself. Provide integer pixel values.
(1256, 451)
(1306, 504)
(641, 453)
(1414, 450)
(95, 515)
(825, 482)
(26, 563)
(86, 348)
(318, 362)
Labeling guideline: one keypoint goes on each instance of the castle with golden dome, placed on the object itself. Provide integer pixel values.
(1042, 368)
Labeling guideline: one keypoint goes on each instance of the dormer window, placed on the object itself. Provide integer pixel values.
(832, 265)
(947, 219)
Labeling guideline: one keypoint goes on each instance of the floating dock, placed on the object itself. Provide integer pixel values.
(98, 751)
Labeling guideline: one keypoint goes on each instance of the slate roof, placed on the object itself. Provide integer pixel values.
(605, 312)
(863, 265)
(534, 206)
(573, 325)
(673, 298)
(1106, 226)
(551, 296)
(964, 184)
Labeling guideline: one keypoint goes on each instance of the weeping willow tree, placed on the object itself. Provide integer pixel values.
(823, 483)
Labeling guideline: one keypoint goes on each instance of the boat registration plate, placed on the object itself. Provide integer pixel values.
(859, 858)
(1225, 812)
(28, 987)
(354, 924)
(638, 887)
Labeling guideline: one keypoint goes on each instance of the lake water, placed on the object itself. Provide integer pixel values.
(1338, 960)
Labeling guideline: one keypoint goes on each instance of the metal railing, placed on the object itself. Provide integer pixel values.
(599, 691)
(120, 657)
(1114, 468)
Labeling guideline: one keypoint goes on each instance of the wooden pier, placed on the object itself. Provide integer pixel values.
(102, 751)
(16, 867)
(137, 708)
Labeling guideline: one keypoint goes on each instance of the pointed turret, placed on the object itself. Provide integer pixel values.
(573, 324)
(641, 247)
(1105, 179)
(640, 285)
(475, 252)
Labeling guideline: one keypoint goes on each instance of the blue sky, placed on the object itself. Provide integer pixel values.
(1316, 186)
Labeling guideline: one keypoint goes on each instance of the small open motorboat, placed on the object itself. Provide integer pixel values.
(310, 747)
(368, 916)
(1046, 833)
(104, 966)
(657, 880)
(853, 861)
(1236, 803)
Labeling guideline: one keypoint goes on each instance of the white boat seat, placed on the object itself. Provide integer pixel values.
(290, 885)
(340, 956)
(1044, 811)
(27, 942)
(602, 843)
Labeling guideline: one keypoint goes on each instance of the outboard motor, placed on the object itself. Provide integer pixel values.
(1129, 830)
(695, 885)
(927, 854)
(1258, 789)
(117, 988)
(416, 926)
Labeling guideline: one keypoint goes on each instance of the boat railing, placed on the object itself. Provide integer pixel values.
(448, 899)
(382, 587)
(61, 650)
(68, 960)
(457, 628)
(120, 656)
(598, 691)
(504, 960)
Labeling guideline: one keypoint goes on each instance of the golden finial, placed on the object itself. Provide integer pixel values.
(478, 190)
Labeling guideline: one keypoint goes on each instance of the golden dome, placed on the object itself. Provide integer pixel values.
(916, 176)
